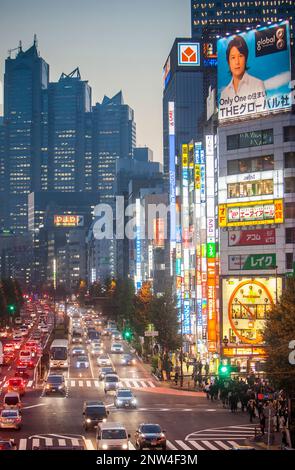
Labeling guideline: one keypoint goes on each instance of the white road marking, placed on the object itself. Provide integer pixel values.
(62, 442)
(30, 383)
(208, 444)
(35, 443)
(80, 383)
(34, 406)
(196, 445)
(75, 442)
(89, 445)
(151, 384)
(131, 446)
(170, 445)
(22, 444)
(96, 383)
(183, 445)
(222, 444)
(48, 441)
(233, 443)
(73, 383)
(127, 383)
(88, 383)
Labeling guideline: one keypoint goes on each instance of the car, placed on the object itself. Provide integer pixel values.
(8, 348)
(24, 330)
(10, 419)
(55, 383)
(77, 351)
(94, 412)
(36, 335)
(112, 436)
(240, 447)
(25, 355)
(103, 371)
(33, 346)
(21, 371)
(15, 384)
(125, 399)
(128, 360)
(111, 382)
(103, 360)
(12, 401)
(82, 362)
(8, 444)
(18, 320)
(8, 358)
(151, 436)
(96, 350)
(117, 348)
(17, 336)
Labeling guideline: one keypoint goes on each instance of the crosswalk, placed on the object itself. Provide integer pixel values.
(29, 384)
(221, 438)
(218, 444)
(53, 442)
(128, 383)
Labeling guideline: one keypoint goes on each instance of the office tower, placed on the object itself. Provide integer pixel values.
(143, 154)
(2, 172)
(25, 80)
(113, 138)
(218, 17)
(183, 86)
(69, 100)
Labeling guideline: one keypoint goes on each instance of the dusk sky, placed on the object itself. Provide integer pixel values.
(117, 44)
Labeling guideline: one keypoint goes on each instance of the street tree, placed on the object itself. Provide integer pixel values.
(279, 332)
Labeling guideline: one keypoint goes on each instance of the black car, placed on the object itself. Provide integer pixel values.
(94, 412)
(150, 436)
(103, 371)
(55, 383)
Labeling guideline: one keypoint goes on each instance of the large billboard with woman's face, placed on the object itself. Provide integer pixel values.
(254, 73)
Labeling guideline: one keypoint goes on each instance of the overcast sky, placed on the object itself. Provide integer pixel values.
(117, 44)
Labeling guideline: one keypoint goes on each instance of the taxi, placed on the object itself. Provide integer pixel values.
(15, 384)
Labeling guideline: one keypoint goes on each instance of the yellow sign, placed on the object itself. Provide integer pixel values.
(68, 220)
(197, 176)
(251, 213)
(185, 156)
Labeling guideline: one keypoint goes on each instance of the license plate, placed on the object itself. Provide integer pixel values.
(126, 405)
(154, 443)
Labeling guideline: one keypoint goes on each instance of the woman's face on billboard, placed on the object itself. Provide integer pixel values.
(237, 63)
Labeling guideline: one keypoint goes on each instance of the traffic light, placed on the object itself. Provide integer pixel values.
(11, 309)
(224, 370)
(127, 334)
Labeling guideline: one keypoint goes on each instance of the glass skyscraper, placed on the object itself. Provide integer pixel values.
(25, 80)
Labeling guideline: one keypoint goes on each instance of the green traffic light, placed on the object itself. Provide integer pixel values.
(11, 308)
(224, 370)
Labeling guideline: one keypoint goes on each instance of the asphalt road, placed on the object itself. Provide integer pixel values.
(191, 422)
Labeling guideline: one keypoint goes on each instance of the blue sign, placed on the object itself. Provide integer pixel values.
(186, 323)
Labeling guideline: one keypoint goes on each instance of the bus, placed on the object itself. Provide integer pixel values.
(59, 354)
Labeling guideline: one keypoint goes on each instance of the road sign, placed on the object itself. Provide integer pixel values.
(151, 333)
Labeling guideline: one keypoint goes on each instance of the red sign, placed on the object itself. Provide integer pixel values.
(252, 237)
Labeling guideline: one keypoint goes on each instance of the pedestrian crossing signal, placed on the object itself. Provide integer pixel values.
(224, 370)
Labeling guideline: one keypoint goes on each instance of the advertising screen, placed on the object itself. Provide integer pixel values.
(247, 304)
(68, 220)
(254, 73)
(251, 213)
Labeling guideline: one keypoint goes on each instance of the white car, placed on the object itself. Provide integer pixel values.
(117, 348)
(82, 362)
(103, 360)
(96, 350)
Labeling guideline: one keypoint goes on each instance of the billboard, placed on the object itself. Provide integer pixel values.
(189, 54)
(167, 72)
(247, 304)
(251, 213)
(254, 73)
(68, 220)
(172, 185)
(252, 262)
(252, 237)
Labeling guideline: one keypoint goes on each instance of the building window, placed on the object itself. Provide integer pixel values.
(289, 158)
(289, 134)
(290, 184)
(290, 235)
(289, 260)
(250, 165)
(250, 139)
(290, 210)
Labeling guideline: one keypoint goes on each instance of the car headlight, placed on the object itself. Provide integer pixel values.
(134, 401)
(104, 446)
(47, 386)
(162, 434)
(104, 420)
(125, 446)
(60, 387)
(88, 420)
(119, 402)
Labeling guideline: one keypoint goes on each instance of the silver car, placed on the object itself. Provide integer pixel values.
(111, 383)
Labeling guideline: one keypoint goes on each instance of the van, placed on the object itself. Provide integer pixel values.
(112, 436)
(12, 401)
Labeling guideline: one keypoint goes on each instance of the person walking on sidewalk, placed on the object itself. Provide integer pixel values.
(251, 409)
(176, 375)
(262, 423)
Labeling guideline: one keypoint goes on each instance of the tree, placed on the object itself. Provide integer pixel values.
(279, 331)
(142, 303)
(163, 315)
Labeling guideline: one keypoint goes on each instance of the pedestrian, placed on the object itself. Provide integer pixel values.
(187, 364)
(176, 377)
(207, 389)
(251, 409)
(262, 423)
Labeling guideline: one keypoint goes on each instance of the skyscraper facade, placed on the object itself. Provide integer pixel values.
(25, 80)
(69, 100)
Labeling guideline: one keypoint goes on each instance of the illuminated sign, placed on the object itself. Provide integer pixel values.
(166, 72)
(251, 213)
(209, 50)
(247, 305)
(189, 54)
(68, 221)
(252, 262)
(261, 82)
(211, 250)
(186, 325)
(252, 237)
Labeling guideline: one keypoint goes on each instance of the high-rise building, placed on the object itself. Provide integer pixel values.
(69, 100)
(25, 81)
(113, 138)
(217, 17)
(183, 85)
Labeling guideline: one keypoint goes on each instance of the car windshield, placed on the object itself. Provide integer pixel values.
(151, 428)
(107, 370)
(95, 410)
(117, 345)
(25, 353)
(114, 434)
(82, 359)
(55, 379)
(111, 378)
(103, 358)
(11, 400)
(125, 394)
(9, 414)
